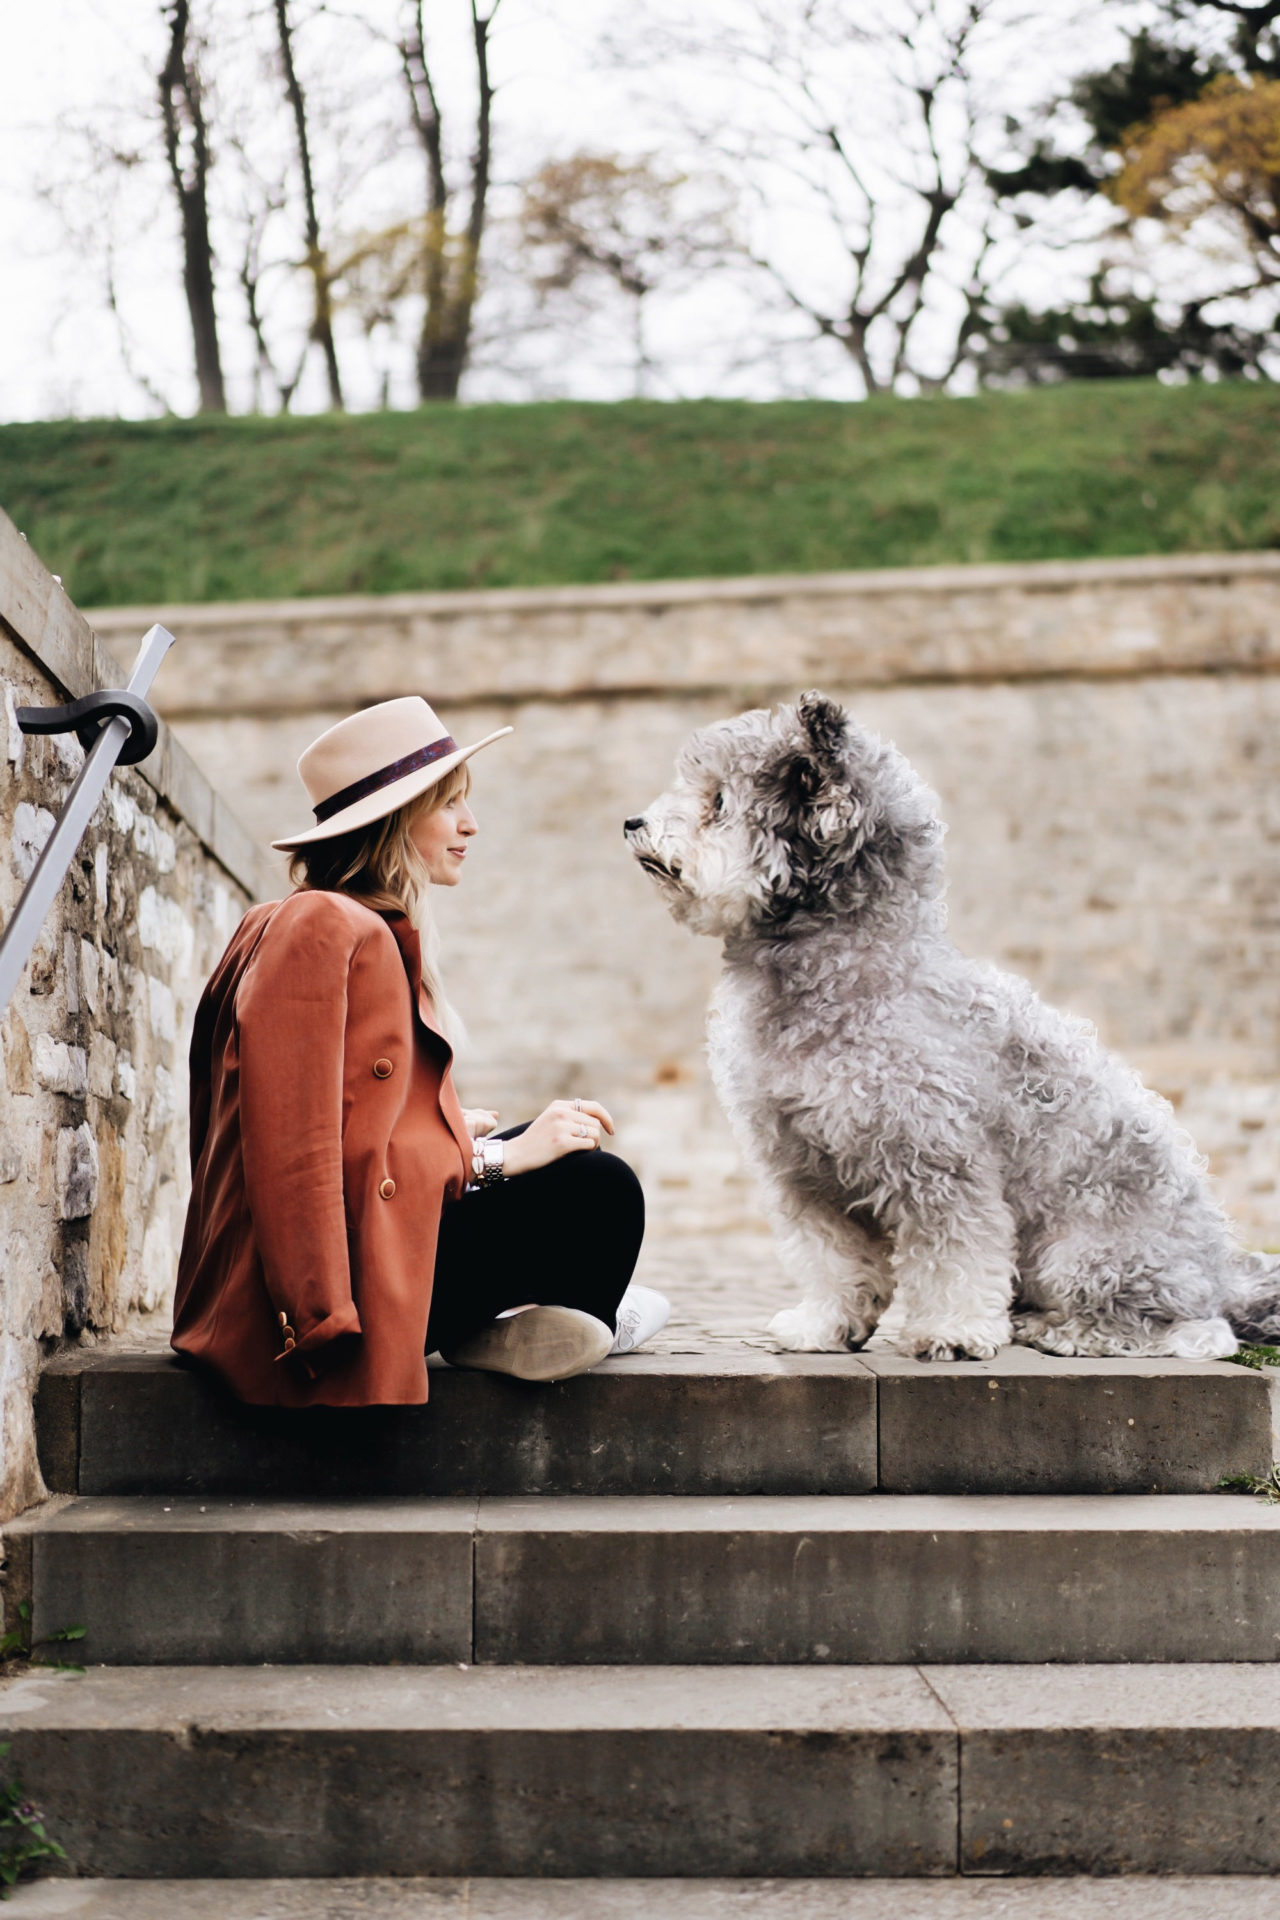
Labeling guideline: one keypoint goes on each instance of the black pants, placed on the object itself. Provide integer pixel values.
(565, 1235)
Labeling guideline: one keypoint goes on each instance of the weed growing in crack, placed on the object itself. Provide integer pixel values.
(1266, 1486)
(18, 1646)
(23, 1840)
(1255, 1356)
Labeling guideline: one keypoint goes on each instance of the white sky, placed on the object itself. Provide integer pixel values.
(71, 62)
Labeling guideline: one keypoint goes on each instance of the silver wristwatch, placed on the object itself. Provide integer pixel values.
(486, 1163)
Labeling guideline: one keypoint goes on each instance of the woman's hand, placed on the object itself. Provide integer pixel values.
(479, 1121)
(567, 1126)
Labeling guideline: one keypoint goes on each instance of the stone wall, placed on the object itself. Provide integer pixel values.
(1105, 739)
(93, 1046)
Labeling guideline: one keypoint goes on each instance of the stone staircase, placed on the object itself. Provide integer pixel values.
(701, 1631)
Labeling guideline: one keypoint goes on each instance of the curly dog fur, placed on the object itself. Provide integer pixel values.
(923, 1128)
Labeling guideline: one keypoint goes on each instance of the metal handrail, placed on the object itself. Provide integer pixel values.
(117, 728)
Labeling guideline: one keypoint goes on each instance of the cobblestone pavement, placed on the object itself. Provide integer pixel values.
(723, 1288)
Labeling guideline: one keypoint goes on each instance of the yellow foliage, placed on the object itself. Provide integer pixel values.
(1220, 151)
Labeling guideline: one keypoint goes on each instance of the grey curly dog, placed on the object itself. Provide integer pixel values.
(922, 1127)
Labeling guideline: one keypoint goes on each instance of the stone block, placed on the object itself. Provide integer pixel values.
(61, 1068)
(1234, 1897)
(731, 1421)
(16, 1041)
(877, 1579)
(57, 1421)
(223, 1582)
(1028, 1423)
(1116, 1770)
(102, 1066)
(10, 1158)
(77, 1172)
(746, 1422)
(353, 1770)
(32, 826)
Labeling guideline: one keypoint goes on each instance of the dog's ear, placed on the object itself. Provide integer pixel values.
(818, 765)
(817, 793)
(824, 721)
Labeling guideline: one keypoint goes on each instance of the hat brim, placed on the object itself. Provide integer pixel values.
(376, 806)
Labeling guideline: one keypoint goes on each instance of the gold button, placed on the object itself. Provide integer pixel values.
(289, 1346)
(387, 1189)
(383, 1069)
(283, 1319)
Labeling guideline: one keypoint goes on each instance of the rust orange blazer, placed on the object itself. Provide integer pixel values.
(326, 1139)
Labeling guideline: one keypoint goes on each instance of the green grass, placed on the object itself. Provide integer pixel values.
(517, 496)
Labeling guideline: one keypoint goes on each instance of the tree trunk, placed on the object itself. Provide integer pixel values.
(440, 363)
(317, 264)
(450, 276)
(182, 112)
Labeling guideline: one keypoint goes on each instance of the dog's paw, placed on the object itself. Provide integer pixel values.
(1043, 1331)
(945, 1350)
(961, 1343)
(1202, 1340)
(809, 1329)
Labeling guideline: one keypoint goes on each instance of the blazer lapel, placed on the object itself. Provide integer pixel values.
(410, 947)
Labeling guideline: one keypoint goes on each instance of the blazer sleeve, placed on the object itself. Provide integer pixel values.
(291, 1012)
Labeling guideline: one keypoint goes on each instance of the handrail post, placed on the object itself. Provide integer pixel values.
(41, 890)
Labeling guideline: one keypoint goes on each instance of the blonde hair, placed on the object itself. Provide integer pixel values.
(380, 865)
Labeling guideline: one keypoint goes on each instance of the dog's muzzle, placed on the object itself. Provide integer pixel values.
(647, 859)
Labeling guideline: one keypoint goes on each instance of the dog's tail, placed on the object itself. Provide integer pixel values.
(1252, 1302)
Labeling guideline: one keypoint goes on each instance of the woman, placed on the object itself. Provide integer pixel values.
(346, 1216)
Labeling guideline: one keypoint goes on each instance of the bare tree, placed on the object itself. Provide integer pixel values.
(866, 120)
(317, 261)
(186, 145)
(448, 252)
(623, 224)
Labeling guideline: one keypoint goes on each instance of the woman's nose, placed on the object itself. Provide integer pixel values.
(634, 824)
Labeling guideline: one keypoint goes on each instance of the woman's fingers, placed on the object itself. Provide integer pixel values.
(566, 1126)
(591, 1107)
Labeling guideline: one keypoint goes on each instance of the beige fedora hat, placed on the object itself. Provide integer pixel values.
(375, 761)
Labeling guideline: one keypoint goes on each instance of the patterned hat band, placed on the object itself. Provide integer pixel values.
(384, 777)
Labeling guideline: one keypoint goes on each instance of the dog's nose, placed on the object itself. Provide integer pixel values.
(633, 825)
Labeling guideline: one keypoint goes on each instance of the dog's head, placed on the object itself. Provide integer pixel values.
(785, 812)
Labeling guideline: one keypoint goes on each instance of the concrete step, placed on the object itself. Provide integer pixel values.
(1213, 1897)
(658, 1580)
(116, 1422)
(782, 1771)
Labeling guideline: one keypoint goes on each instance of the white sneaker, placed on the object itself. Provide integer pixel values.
(642, 1312)
(537, 1343)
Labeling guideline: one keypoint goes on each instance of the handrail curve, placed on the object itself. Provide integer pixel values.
(116, 727)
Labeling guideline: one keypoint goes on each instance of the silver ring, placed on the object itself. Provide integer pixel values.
(582, 1133)
(578, 1105)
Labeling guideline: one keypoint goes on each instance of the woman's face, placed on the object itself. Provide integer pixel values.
(441, 838)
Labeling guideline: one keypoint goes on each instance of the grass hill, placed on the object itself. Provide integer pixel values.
(563, 492)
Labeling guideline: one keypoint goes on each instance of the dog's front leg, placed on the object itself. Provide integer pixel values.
(843, 1274)
(954, 1267)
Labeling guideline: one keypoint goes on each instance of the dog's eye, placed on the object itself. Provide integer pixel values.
(717, 805)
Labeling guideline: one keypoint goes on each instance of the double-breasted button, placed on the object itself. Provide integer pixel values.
(387, 1189)
(383, 1069)
(289, 1345)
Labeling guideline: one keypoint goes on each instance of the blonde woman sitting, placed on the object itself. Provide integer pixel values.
(347, 1217)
